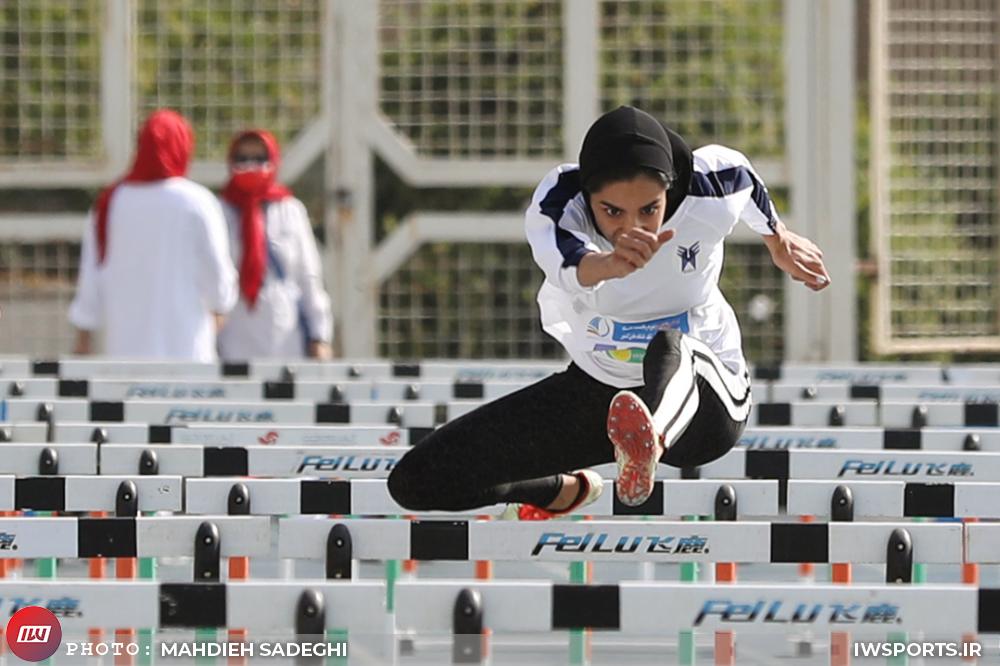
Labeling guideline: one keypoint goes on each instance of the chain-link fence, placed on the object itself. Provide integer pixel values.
(50, 79)
(481, 79)
(36, 288)
(230, 65)
(936, 96)
(476, 81)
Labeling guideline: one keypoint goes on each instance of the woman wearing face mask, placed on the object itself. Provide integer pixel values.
(631, 244)
(155, 274)
(283, 311)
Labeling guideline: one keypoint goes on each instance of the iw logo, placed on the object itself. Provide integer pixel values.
(33, 633)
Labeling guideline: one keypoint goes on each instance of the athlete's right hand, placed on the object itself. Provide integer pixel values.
(634, 248)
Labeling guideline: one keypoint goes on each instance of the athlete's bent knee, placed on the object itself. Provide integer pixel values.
(403, 485)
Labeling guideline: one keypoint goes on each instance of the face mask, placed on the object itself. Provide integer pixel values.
(256, 180)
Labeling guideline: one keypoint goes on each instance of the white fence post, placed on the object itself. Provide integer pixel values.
(581, 69)
(349, 100)
(117, 72)
(819, 117)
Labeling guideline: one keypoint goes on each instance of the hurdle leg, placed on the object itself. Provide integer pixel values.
(147, 571)
(919, 576)
(6, 568)
(96, 572)
(725, 641)
(840, 641)
(484, 571)
(239, 569)
(970, 576)
(125, 569)
(807, 574)
(686, 648)
(45, 567)
(578, 637)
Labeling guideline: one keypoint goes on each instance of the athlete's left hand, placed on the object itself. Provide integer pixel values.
(320, 350)
(799, 257)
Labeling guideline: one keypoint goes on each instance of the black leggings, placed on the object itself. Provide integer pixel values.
(514, 449)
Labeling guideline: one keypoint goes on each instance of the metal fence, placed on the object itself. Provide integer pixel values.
(457, 95)
(936, 174)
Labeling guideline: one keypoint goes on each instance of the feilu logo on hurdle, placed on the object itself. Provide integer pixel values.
(602, 542)
(783, 611)
(58, 606)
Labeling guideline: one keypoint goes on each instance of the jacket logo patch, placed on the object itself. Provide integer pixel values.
(689, 257)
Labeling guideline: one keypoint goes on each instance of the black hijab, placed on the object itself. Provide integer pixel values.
(627, 138)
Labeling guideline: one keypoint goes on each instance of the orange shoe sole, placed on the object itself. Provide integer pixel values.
(637, 448)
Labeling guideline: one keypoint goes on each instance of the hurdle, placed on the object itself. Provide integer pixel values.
(459, 608)
(371, 497)
(617, 541)
(270, 434)
(71, 492)
(205, 539)
(845, 392)
(257, 389)
(170, 412)
(85, 368)
(302, 610)
(929, 439)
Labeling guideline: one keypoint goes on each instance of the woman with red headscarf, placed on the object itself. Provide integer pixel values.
(155, 273)
(283, 310)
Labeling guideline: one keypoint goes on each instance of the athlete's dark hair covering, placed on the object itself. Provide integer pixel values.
(623, 139)
(628, 140)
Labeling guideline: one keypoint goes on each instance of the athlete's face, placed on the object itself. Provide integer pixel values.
(626, 204)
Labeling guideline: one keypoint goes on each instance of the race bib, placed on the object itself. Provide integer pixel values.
(627, 341)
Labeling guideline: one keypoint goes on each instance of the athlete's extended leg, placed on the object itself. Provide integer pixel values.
(514, 449)
(685, 383)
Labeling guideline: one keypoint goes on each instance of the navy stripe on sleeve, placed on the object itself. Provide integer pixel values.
(553, 206)
(732, 180)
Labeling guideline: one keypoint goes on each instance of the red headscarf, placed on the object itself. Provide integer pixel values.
(247, 191)
(165, 146)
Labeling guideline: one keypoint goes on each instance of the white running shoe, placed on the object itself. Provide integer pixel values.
(638, 447)
(595, 486)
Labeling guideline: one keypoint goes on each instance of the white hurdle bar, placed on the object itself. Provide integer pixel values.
(248, 390)
(371, 497)
(616, 541)
(928, 439)
(90, 493)
(846, 464)
(424, 413)
(170, 412)
(656, 609)
(155, 536)
(82, 605)
(460, 371)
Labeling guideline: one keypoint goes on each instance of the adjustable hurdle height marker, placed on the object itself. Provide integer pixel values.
(841, 510)
(725, 572)
(48, 465)
(899, 569)
(467, 626)
(149, 465)
(484, 571)
(238, 504)
(207, 558)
